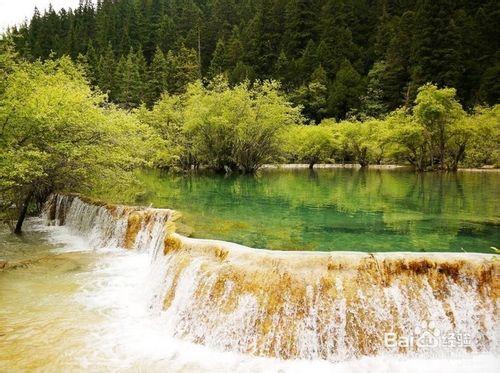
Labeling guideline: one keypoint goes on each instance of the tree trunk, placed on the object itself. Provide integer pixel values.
(22, 213)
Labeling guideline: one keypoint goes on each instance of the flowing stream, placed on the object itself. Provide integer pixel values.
(107, 287)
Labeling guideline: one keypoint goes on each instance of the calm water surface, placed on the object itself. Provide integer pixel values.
(333, 209)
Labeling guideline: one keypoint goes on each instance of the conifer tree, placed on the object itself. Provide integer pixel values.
(240, 73)
(219, 63)
(300, 21)
(183, 68)
(336, 37)
(128, 81)
(93, 63)
(106, 72)
(314, 95)
(435, 44)
(157, 77)
(345, 91)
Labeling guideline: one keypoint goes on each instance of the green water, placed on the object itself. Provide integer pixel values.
(334, 209)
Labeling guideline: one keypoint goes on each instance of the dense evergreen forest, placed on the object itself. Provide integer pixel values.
(336, 58)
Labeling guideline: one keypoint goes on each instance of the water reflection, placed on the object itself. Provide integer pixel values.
(332, 209)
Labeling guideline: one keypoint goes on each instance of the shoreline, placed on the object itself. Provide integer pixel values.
(294, 166)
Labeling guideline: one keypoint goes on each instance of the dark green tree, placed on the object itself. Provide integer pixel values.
(436, 44)
(129, 85)
(106, 72)
(157, 77)
(219, 63)
(313, 96)
(345, 91)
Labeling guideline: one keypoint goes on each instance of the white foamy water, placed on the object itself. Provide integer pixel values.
(110, 316)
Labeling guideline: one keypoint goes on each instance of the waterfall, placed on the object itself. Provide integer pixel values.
(299, 305)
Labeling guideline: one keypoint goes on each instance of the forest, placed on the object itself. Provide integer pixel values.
(335, 58)
(89, 95)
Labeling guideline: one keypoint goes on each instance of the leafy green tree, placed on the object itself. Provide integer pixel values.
(239, 127)
(167, 119)
(308, 144)
(409, 139)
(56, 136)
(440, 114)
(357, 140)
(483, 147)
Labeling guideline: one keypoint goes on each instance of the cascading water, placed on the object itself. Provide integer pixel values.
(299, 305)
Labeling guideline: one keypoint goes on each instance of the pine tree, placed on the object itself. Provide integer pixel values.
(408, 43)
(157, 77)
(106, 72)
(489, 91)
(240, 73)
(313, 96)
(165, 34)
(372, 102)
(219, 63)
(93, 62)
(140, 61)
(307, 62)
(234, 48)
(183, 69)
(128, 81)
(300, 18)
(35, 35)
(282, 68)
(345, 91)
(336, 37)
(436, 45)
(395, 79)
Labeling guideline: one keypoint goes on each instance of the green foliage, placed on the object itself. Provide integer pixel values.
(313, 96)
(236, 127)
(158, 77)
(129, 78)
(55, 135)
(308, 144)
(375, 55)
(166, 118)
(183, 68)
(484, 141)
(222, 127)
(346, 90)
(441, 117)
